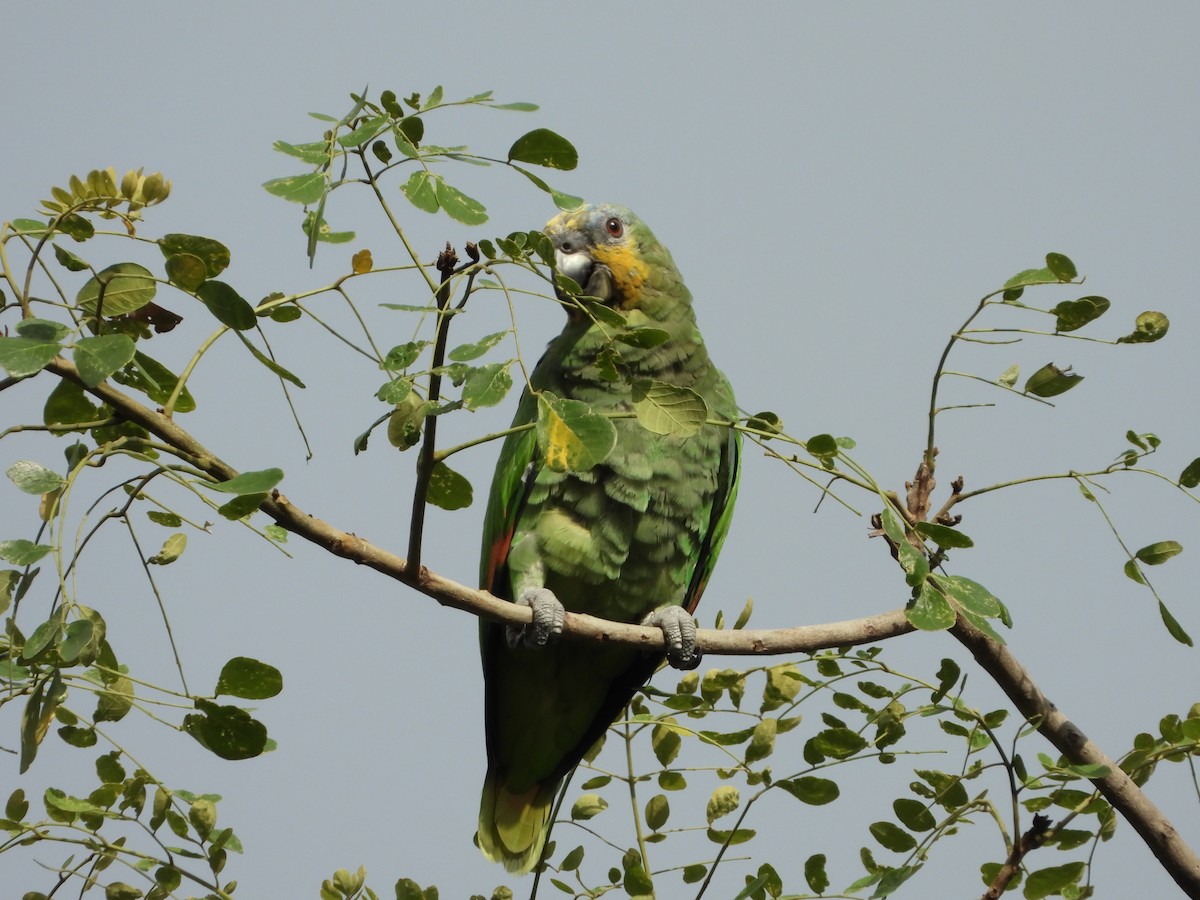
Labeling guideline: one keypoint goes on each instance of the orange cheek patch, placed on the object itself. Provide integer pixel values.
(629, 272)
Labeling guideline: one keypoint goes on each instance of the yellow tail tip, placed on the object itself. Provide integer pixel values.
(513, 826)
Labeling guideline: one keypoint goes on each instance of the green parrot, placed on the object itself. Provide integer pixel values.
(633, 539)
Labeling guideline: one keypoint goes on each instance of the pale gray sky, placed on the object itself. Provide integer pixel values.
(838, 183)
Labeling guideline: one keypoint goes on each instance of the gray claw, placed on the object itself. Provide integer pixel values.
(547, 621)
(679, 631)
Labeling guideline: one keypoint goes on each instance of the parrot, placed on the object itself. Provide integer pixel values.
(633, 539)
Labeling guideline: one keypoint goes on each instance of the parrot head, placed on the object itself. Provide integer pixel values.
(611, 254)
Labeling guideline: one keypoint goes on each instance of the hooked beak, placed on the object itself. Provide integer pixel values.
(572, 260)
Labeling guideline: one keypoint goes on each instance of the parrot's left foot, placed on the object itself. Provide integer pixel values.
(679, 632)
(547, 623)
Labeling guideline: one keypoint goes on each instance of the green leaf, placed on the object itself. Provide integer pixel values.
(644, 338)
(404, 424)
(395, 390)
(737, 836)
(59, 800)
(893, 837)
(213, 254)
(29, 226)
(542, 147)
(303, 189)
(837, 743)
(930, 611)
(115, 702)
(663, 408)
(404, 355)
(17, 806)
(408, 134)
(186, 271)
(459, 206)
(1030, 276)
(285, 313)
(913, 814)
(468, 352)
(248, 482)
(1158, 553)
(420, 191)
(814, 873)
(486, 385)
(943, 536)
(823, 446)
(970, 595)
(1050, 381)
(98, 357)
(42, 329)
(1074, 314)
(249, 679)
(744, 615)
(810, 789)
(365, 131)
(572, 437)
(672, 781)
(76, 636)
(766, 421)
(724, 800)
(227, 305)
(1176, 630)
(448, 489)
(1050, 881)
(21, 552)
(658, 811)
(241, 506)
(762, 744)
(117, 290)
(314, 153)
(34, 478)
(227, 731)
(1061, 266)
(1149, 327)
(270, 363)
(69, 260)
(21, 357)
(914, 563)
(156, 381)
(587, 807)
(172, 549)
(665, 742)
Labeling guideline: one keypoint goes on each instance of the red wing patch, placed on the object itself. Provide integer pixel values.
(496, 560)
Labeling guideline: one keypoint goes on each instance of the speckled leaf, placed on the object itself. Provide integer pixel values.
(573, 438)
(448, 489)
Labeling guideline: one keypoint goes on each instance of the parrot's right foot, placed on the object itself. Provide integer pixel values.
(679, 633)
(547, 622)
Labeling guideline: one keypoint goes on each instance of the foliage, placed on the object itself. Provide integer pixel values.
(694, 763)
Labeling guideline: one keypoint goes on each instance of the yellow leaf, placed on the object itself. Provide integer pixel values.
(361, 262)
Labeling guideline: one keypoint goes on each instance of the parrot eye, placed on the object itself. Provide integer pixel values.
(615, 227)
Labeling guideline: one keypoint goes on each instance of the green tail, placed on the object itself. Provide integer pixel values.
(513, 827)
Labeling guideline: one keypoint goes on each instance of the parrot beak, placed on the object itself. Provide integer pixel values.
(578, 265)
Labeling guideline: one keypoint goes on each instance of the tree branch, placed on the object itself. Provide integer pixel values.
(1154, 828)
(1173, 853)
